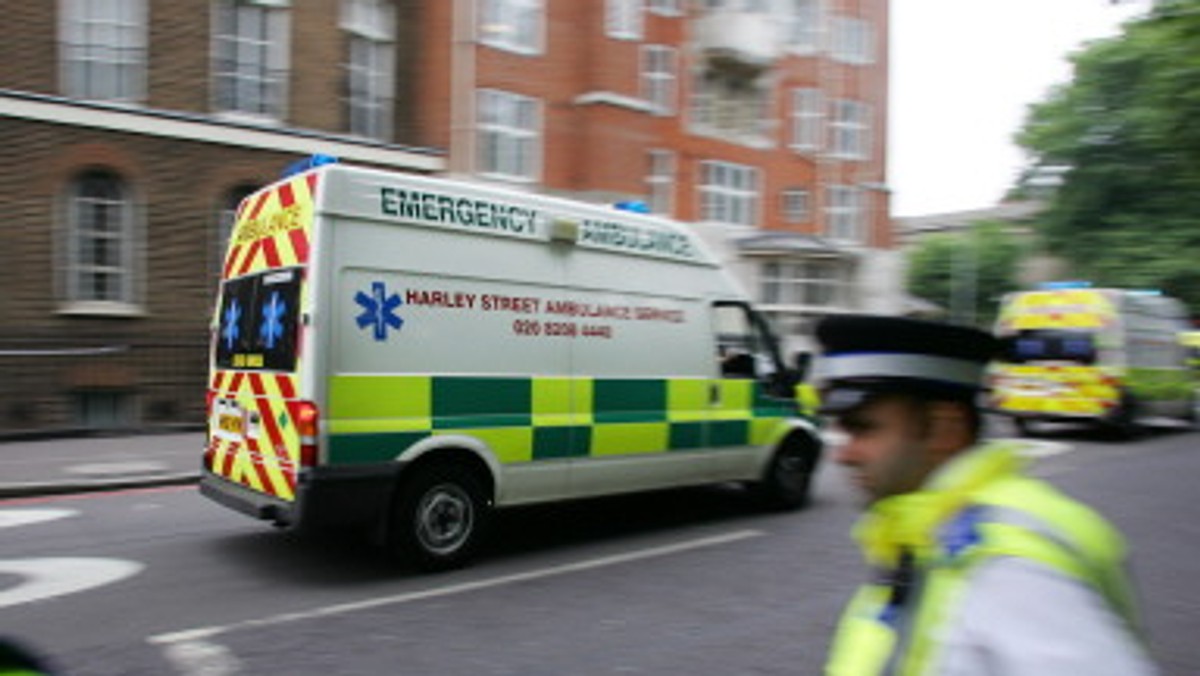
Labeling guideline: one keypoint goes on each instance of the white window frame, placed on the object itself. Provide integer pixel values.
(83, 234)
(743, 120)
(103, 49)
(802, 282)
(850, 129)
(513, 25)
(256, 89)
(852, 40)
(660, 68)
(665, 7)
(795, 205)
(729, 193)
(623, 19)
(660, 181)
(845, 214)
(510, 124)
(808, 119)
(804, 26)
(370, 27)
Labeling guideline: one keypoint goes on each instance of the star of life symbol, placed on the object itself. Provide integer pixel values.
(232, 331)
(271, 328)
(379, 310)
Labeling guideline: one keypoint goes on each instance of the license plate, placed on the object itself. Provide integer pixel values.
(230, 424)
(229, 421)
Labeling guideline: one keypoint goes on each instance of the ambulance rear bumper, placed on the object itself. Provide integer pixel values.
(325, 496)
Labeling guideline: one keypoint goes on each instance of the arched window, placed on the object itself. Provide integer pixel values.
(100, 242)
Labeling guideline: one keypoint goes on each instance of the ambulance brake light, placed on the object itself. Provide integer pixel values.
(307, 415)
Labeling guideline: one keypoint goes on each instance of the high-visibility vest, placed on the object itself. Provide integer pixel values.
(977, 507)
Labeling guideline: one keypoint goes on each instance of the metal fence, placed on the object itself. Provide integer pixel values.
(81, 383)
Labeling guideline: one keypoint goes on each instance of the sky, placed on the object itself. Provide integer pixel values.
(962, 75)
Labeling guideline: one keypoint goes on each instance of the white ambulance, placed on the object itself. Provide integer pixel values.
(409, 353)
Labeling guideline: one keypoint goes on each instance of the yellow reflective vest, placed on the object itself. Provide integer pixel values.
(923, 547)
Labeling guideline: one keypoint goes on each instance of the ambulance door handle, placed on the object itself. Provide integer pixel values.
(714, 394)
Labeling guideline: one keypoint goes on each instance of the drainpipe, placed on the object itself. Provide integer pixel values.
(463, 23)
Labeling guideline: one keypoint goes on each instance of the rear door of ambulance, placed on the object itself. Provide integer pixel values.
(257, 420)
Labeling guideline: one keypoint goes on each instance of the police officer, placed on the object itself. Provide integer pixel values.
(977, 567)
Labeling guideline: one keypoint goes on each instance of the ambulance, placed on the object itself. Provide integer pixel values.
(1107, 356)
(408, 354)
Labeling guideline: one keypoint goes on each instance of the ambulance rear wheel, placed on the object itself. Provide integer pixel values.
(1025, 427)
(1123, 423)
(440, 517)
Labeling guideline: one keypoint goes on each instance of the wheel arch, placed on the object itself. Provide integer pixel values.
(458, 450)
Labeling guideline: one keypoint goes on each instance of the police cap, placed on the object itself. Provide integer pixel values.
(866, 355)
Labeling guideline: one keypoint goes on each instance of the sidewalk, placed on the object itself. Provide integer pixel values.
(81, 464)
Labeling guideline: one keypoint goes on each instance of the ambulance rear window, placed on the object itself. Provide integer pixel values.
(1050, 345)
(258, 321)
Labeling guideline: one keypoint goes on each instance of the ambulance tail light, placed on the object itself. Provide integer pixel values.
(209, 452)
(307, 416)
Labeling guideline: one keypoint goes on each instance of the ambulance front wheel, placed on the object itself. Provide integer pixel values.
(787, 483)
(440, 517)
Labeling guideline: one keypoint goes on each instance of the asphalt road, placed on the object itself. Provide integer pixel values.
(696, 582)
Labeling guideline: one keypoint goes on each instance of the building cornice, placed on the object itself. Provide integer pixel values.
(202, 129)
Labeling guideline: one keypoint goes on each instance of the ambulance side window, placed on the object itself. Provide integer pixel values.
(743, 347)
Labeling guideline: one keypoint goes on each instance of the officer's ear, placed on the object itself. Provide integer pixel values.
(949, 427)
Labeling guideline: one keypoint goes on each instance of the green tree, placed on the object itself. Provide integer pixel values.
(1123, 132)
(966, 272)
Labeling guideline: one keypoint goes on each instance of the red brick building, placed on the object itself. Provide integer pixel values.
(131, 128)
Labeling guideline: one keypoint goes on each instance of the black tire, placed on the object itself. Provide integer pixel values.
(787, 483)
(1123, 422)
(440, 517)
(1025, 427)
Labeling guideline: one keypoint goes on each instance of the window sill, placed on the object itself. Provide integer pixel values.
(520, 50)
(95, 308)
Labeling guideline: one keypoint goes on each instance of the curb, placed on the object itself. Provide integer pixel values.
(45, 488)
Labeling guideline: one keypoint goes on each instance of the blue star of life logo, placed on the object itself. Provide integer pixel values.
(271, 328)
(232, 330)
(379, 310)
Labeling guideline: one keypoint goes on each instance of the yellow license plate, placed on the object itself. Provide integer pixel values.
(230, 423)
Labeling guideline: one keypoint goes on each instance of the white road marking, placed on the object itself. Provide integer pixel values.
(11, 518)
(1043, 449)
(202, 658)
(49, 577)
(203, 634)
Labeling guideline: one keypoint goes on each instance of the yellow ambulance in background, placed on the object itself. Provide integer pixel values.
(1107, 356)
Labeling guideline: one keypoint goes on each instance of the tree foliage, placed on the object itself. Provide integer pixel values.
(1125, 132)
(966, 272)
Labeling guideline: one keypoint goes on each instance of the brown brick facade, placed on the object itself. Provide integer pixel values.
(178, 186)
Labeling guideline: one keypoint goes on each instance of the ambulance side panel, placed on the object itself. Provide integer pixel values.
(421, 358)
(663, 415)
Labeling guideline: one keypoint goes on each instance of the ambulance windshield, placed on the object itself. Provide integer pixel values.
(1050, 345)
(257, 321)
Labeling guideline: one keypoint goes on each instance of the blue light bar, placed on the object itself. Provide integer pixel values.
(636, 206)
(311, 162)
(1065, 285)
